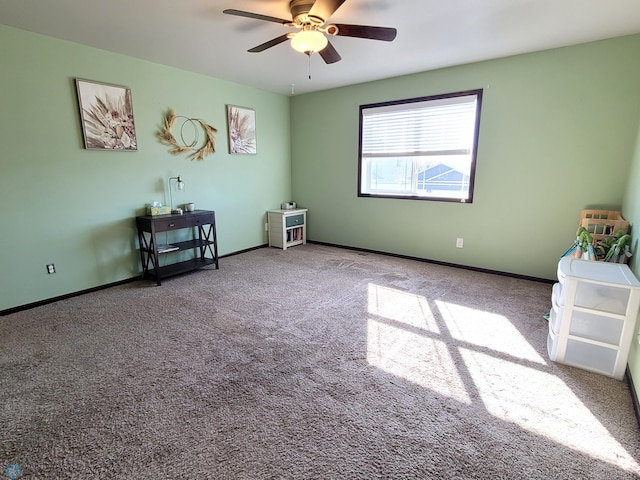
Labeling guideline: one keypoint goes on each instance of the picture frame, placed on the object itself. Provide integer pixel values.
(241, 128)
(106, 115)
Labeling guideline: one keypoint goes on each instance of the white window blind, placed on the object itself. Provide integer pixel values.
(430, 127)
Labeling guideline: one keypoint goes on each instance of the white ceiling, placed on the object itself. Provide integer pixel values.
(195, 35)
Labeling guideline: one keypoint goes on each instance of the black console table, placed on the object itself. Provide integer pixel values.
(203, 244)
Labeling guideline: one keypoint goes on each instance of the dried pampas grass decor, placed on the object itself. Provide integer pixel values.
(166, 136)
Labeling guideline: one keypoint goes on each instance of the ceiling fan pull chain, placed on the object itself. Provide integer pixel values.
(309, 57)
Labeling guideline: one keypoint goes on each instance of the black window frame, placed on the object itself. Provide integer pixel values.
(473, 150)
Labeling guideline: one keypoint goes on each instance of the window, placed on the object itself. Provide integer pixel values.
(420, 148)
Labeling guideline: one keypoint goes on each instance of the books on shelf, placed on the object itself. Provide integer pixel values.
(294, 234)
(167, 248)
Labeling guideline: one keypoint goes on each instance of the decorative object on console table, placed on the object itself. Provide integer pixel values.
(106, 114)
(179, 186)
(241, 127)
(287, 227)
(158, 209)
(203, 244)
(593, 319)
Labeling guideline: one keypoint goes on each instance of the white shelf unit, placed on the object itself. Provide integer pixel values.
(593, 316)
(287, 227)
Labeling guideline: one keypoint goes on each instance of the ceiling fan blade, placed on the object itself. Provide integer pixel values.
(270, 43)
(329, 54)
(363, 31)
(257, 16)
(325, 8)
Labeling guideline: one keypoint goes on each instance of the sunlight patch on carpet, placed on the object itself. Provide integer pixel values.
(479, 328)
(466, 354)
(564, 419)
(407, 308)
(400, 336)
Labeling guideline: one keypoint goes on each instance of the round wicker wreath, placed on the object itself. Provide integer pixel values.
(166, 137)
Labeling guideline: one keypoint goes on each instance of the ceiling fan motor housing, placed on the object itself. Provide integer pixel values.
(300, 12)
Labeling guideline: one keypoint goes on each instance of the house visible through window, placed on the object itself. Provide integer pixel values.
(420, 148)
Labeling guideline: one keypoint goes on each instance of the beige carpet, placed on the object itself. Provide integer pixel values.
(314, 362)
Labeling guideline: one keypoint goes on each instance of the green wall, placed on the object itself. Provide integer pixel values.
(557, 135)
(631, 212)
(66, 205)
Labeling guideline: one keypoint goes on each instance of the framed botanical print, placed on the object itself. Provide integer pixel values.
(106, 114)
(241, 126)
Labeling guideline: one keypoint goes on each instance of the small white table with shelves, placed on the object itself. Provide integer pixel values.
(593, 319)
(287, 227)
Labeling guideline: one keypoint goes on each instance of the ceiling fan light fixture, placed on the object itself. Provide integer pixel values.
(309, 41)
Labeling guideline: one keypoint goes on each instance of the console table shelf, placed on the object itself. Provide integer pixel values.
(203, 245)
(181, 267)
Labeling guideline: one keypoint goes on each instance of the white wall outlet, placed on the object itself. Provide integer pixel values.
(51, 268)
(459, 242)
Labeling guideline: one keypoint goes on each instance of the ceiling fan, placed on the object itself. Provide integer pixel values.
(310, 18)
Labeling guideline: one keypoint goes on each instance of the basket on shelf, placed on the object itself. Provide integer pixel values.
(603, 223)
(602, 235)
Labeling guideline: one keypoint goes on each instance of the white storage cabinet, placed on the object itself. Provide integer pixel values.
(287, 227)
(593, 316)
